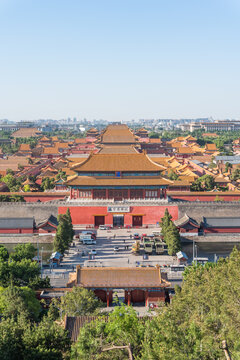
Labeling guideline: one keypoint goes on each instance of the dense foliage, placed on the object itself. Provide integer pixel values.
(12, 198)
(64, 234)
(77, 302)
(18, 269)
(202, 314)
(170, 234)
(203, 183)
(22, 339)
(47, 183)
(122, 328)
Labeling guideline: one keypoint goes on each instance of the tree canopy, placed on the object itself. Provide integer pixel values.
(203, 183)
(65, 232)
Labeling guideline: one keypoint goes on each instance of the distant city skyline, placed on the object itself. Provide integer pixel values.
(118, 61)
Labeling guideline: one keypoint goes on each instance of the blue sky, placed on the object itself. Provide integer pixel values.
(119, 59)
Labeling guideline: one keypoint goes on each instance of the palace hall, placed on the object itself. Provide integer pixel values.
(120, 185)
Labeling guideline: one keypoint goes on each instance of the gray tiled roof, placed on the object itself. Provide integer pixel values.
(16, 223)
(230, 222)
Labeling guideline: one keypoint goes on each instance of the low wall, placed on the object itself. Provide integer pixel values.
(204, 196)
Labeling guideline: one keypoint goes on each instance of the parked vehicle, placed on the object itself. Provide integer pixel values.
(87, 239)
(136, 247)
(148, 247)
(136, 236)
(93, 252)
(104, 227)
(159, 247)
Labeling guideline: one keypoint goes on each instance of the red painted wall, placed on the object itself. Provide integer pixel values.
(85, 215)
(204, 196)
(35, 198)
(16, 231)
(222, 230)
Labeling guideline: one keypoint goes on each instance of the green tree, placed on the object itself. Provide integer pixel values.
(61, 175)
(11, 182)
(4, 255)
(203, 183)
(228, 166)
(26, 188)
(22, 340)
(122, 328)
(236, 174)
(172, 239)
(23, 251)
(47, 184)
(172, 175)
(14, 301)
(78, 302)
(65, 232)
(153, 135)
(165, 222)
(10, 171)
(19, 273)
(70, 225)
(203, 313)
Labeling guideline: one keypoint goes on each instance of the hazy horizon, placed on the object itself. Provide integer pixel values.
(135, 59)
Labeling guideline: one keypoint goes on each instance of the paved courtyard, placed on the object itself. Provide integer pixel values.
(106, 241)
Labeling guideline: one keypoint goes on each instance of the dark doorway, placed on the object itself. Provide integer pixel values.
(137, 220)
(99, 220)
(118, 220)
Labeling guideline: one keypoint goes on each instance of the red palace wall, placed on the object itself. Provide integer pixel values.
(222, 230)
(85, 215)
(43, 198)
(16, 231)
(204, 196)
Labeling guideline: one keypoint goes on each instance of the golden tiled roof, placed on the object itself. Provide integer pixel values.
(185, 150)
(117, 134)
(45, 138)
(190, 138)
(61, 145)
(118, 162)
(211, 147)
(50, 150)
(26, 132)
(155, 141)
(99, 181)
(160, 160)
(117, 149)
(120, 277)
(80, 141)
(24, 147)
(175, 144)
(210, 135)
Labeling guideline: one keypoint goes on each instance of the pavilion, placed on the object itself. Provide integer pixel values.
(146, 284)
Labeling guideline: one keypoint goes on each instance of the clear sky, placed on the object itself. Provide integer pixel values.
(119, 59)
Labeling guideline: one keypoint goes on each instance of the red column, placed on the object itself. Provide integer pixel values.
(128, 193)
(129, 298)
(71, 194)
(144, 193)
(165, 193)
(107, 298)
(106, 193)
(78, 193)
(146, 298)
(92, 193)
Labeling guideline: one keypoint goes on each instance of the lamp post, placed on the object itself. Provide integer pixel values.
(41, 261)
(193, 250)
